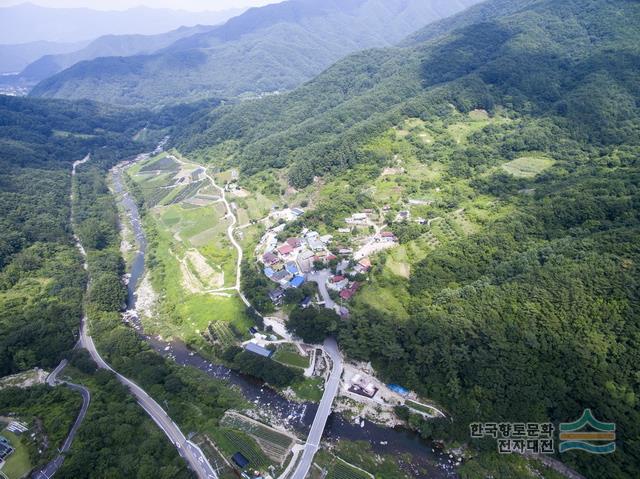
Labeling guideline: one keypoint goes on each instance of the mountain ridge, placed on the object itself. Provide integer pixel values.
(107, 46)
(275, 55)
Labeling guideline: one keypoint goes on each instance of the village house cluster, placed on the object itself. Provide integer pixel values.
(288, 263)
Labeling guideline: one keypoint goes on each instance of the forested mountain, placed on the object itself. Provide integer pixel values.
(528, 309)
(27, 22)
(517, 58)
(39, 140)
(107, 46)
(14, 58)
(266, 49)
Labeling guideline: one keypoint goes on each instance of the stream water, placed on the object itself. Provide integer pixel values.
(426, 462)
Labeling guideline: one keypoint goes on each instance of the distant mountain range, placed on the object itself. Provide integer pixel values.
(27, 23)
(267, 49)
(15, 58)
(107, 46)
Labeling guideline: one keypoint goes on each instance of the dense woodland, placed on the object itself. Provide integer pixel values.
(41, 277)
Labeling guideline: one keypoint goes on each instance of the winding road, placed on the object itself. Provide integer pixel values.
(52, 380)
(188, 450)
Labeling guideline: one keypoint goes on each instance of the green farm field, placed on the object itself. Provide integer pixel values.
(192, 262)
(528, 166)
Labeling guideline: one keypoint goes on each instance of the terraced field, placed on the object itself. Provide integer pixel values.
(342, 470)
(162, 164)
(215, 459)
(273, 443)
(232, 441)
(221, 332)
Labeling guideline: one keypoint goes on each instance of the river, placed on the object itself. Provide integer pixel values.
(427, 462)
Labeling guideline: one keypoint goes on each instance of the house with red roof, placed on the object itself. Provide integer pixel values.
(270, 259)
(337, 283)
(349, 292)
(285, 249)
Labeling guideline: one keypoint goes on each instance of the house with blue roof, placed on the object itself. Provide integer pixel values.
(297, 281)
(269, 272)
(292, 267)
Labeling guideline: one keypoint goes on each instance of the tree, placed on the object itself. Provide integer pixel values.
(107, 292)
(313, 325)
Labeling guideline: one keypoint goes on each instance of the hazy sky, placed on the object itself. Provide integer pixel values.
(195, 5)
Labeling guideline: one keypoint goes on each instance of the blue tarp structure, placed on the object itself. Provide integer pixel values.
(240, 460)
(259, 350)
(398, 389)
(297, 282)
(269, 272)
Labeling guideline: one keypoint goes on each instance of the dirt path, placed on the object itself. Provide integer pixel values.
(230, 231)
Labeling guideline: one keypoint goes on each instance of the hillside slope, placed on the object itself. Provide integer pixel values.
(276, 47)
(518, 134)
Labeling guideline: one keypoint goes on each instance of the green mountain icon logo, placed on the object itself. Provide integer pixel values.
(573, 435)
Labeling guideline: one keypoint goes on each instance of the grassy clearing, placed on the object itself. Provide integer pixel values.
(18, 463)
(385, 299)
(528, 166)
(398, 262)
(311, 389)
(288, 355)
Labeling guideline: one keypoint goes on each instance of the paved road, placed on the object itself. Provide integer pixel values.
(320, 421)
(189, 451)
(321, 278)
(52, 380)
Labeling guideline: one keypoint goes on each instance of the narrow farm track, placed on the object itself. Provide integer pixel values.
(52, 467)
(230, 231)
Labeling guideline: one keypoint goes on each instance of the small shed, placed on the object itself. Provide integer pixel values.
(259, 350)
(240, 461)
